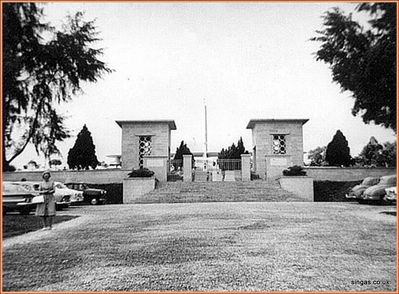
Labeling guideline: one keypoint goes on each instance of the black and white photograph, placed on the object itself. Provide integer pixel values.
(202, 146)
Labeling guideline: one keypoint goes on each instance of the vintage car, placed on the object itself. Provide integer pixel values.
(63, 196)
(377, 192)
(66, 194)
(17, 198)
(390, 194)
(358, 190)
(91, 195)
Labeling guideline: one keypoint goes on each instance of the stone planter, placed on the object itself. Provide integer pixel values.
(134, 188)
(301, 186)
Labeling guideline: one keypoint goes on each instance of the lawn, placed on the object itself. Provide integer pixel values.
(15, 224)
(211, 247)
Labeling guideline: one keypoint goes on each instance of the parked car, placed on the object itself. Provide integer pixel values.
(358, 190)
(63, 196)
(17, 198)
(91, 195)
(377, 192)
(390, 194)
(66, 195)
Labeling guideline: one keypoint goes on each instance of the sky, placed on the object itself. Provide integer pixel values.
(244, 60)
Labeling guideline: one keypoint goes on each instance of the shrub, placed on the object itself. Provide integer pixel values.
(295, 170)
(141, 173)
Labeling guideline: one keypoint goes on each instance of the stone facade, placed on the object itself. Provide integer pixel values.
(134, 188)
(346, 174)
(265, 134)
(159, 165)
(159, 132)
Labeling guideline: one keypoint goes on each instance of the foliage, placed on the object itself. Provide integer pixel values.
(34, 163)
(317, 156)
(55, 162)
(295, 170)
(375, 154)
(389, 154)
(11, 168)
(83, 154)
(338, 152)
(141, 173)
(180, 151)
(42, 67)
(233, 152)
(363, 60)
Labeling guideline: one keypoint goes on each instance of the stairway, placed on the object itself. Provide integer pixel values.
(200, 176)
(189, 192)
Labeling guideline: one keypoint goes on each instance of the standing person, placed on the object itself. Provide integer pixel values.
(47, 209)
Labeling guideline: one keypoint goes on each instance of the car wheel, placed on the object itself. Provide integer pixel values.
(94, 201)
(361, 201)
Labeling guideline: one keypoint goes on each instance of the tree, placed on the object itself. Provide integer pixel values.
(180, 151)
(375, 154)
(33, 164)
(363, 61)
(83, 154)
(317, 156)
(54, 162)
(233, 152)
(371, 154)
(338, 152)
(42, 67)
(389, 154)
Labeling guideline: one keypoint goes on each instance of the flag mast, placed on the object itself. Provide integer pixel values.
(206, 131)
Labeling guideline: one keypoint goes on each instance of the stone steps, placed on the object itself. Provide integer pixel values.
(188, 192)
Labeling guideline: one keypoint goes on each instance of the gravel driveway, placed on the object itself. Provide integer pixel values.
(209, 246)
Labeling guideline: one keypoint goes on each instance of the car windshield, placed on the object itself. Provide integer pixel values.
(388, 181)
(370, 181)
(60, 186)
(28, 187)
(13, 188)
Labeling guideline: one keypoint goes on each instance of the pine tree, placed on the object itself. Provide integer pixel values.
(83, 154)
(180, 151)
(338, 152)
(233, 151)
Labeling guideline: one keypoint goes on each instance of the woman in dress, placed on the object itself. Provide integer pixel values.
(47, 209)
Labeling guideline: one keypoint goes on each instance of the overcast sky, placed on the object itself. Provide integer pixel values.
(247, 60)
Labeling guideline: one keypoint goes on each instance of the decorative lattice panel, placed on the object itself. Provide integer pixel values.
(144, 148)
(279, 146)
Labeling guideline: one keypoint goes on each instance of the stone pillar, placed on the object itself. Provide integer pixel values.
(245, 167)
(187, 168)
(158, 164)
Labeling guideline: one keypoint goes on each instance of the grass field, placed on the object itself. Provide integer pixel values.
(16, 224)
(210, 246)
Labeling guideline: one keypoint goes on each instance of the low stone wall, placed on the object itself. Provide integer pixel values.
(133, 188)
(301, 186)
(100, 176)
(345, 174)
